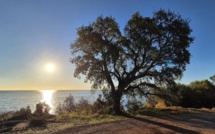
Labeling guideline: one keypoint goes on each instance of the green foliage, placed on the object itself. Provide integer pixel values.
(69, 104)
(40, 116)
(203, 94)
(106, 93)
(133, 105)
(99, 105)
(152, 51)
(197, 94)
(42, 109)
(37, 121)
(152, 112)
(22, 114)
(212, 78)
(71, 119)
(83, 107)
(151, 102)
(4, 116)
(103, 105)
(26, 110)
(60, 109)
(162, 97)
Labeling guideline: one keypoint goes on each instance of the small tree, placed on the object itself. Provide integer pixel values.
(60, 109)
(69, 104)
(42, 109)
(83, 107)
(41, 114)
(212, 78)
(151, 52)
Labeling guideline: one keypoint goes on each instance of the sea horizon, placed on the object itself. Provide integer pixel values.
(13, 100)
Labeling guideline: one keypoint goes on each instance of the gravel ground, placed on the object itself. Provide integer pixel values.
(195, 123)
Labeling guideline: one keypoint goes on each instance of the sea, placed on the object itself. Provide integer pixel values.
(15, 100)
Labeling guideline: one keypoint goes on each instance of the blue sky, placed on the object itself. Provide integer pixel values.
(34, 33)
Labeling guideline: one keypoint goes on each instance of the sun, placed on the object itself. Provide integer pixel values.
(50, 67)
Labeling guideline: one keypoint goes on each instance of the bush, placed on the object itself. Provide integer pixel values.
(83, 107)
(42, 109)
(37, 121)
(40, 116)
(60, 109)
(4, 116)
(22, 114)
(133, 105)
(104, 103)
(197, 94)
(69, 104)
(161, 104)
(99, 105)
(151, 102)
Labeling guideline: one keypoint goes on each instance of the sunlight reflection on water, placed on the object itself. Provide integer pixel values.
(47, 97)
(14, 100)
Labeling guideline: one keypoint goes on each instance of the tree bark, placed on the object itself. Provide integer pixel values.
(116, 105)
(117, 95)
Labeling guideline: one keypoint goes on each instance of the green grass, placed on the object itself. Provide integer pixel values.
(90, 119)
(152, 112)
(6, 115)
(65, 121)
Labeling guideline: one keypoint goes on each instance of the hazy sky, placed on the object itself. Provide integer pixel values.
(34, 33)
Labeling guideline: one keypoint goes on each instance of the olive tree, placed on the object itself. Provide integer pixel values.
(151, 51)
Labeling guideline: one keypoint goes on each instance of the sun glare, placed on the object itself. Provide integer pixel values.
(47, 98)
(50, 67)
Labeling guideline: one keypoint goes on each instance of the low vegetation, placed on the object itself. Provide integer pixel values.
(68, 114)
(197, 94)
(180, 99)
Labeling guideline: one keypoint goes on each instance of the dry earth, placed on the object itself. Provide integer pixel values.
(186, 123)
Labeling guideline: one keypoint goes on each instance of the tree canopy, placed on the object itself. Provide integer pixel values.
(197, 94)
(151, 51)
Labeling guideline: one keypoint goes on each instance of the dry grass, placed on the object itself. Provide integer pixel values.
(165, 116)
(66, 121)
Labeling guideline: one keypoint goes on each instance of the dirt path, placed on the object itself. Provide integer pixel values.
(199, 123)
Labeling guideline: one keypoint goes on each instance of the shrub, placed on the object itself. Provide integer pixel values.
(107, 97)
(197, 94)
(151, 102)
(134, 105)
(42, 109)
(104, 103)
(37, 121)
(60, 109)
(22, 114)
(69, 104)
(6, 115)
(40, 116)
(99, 105)
(161, 104)
(83, 107)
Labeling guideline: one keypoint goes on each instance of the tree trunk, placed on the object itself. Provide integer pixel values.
(116, 105)
(116, 96)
